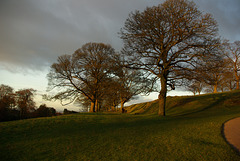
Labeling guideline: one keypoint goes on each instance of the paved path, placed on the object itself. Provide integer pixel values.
(232, 133)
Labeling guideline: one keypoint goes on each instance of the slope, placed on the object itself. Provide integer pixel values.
(187, 133)
(182, 105)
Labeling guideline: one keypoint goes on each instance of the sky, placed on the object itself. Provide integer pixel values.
(33, 33)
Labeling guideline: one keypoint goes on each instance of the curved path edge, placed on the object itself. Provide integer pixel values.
(231, 133)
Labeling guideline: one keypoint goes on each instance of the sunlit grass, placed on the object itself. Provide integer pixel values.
(195, 136)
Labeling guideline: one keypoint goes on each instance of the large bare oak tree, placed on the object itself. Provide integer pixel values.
(167, 38)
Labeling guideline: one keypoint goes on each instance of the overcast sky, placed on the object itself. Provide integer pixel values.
(33, 33)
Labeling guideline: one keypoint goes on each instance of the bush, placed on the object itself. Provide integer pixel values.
(44, 111)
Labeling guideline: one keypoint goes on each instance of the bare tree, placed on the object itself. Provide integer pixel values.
(7, 102)
(25, 102)
(212, 71)
(233, 55)
(7, 96)
(167, 38)
(228, 82)
(111, 94)
(82, 73)
(83, 103)
(131, 82)
(5, 90)
(195, 87)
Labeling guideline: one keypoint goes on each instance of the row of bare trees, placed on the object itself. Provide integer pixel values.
(169, 44)
(20, 104)
(220, 72)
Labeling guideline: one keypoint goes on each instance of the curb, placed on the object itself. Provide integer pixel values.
(223, 134)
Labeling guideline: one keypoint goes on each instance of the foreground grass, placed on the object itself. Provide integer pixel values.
(191, 136)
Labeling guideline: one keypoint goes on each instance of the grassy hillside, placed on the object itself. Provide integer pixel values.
(191, 131)
(181, 105)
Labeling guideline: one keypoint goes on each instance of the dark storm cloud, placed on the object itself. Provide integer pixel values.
(226, 13)
(31, 36)
(34, 32)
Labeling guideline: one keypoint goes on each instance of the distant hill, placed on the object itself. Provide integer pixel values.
(180, 105)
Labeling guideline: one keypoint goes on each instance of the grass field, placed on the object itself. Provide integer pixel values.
(191, 131)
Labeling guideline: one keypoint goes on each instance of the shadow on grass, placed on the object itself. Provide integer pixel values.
(202, 142)
(214, 104)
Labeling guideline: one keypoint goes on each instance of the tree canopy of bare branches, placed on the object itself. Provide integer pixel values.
(233, 55)
(212, 71)
(131, 82)
(82, 73)
(25, 102)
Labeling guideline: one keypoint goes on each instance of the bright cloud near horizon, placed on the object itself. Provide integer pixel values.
(33, 33)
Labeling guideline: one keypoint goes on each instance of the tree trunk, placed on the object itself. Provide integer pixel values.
(96, 106)
(122, 105)
(237, 76)
(237, 83)
(162, 97)
(92, 109)
(215, 88)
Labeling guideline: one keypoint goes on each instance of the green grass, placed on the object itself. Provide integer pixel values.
(182, 105)
(191, 131)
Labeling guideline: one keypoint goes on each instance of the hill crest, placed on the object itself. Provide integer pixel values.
(180, 105)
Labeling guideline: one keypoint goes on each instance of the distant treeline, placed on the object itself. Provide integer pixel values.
(20, 105)
(9, 114)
